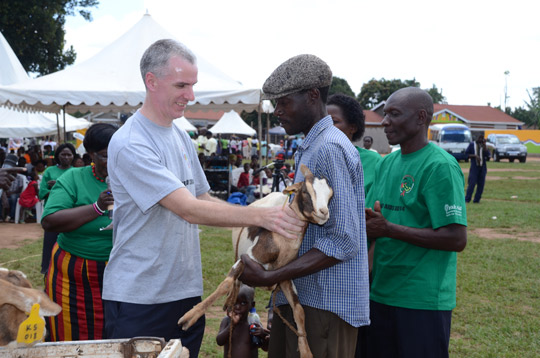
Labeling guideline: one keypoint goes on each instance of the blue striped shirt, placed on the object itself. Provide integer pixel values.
(343, 288)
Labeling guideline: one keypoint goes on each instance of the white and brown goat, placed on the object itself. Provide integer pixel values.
(16, 300)
(272, 250)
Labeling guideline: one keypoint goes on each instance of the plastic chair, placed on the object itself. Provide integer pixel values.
(38, 207)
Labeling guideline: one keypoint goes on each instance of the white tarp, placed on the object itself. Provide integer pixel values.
(14, 123)
(184, 124)
(17, 124)
(11, 70)
(232, 123)
(111, 80)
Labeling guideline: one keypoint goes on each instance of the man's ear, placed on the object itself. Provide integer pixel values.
(423, 118)
(150, 80)
(314, 94)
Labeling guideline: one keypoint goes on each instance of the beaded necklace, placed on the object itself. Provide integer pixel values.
(95, 175)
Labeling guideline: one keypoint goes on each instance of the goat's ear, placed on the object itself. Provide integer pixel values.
(292, 189)
(23, 298)
(306, 172)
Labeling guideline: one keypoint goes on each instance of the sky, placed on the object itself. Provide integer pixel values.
(461, 47)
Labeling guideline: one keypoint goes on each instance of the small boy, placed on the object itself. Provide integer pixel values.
(242, 343)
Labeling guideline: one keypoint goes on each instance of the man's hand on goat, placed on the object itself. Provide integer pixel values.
(254, 274)
(284, 221)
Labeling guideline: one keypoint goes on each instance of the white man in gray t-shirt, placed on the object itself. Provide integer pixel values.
(161, 194)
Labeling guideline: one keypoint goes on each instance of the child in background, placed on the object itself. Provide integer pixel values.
(242, 342)
(29, 197)
(244, 177)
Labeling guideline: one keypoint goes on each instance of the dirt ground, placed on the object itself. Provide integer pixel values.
(12, 235)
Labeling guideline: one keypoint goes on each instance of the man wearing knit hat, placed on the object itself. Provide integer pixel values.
(331, 272)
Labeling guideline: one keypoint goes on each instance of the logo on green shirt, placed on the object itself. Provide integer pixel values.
(453, 210)
(407, 184)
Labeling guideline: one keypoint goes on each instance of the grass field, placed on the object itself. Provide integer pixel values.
(498, 294)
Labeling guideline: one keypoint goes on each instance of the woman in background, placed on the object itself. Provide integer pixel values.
(77, 209)
(63, 157)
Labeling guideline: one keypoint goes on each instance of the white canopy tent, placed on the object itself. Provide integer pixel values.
(11, 70)
(184, 124)
(111, 80)
(15, 123)
(232, 123)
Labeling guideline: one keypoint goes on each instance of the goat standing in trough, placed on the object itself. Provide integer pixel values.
(274, 251)
(16, 299)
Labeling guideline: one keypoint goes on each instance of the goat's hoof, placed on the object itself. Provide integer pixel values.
(184, 322)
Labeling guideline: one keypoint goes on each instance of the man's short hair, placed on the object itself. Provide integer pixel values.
(299, 73)
(156, 57)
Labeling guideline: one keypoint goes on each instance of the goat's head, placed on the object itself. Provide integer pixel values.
(311, 197)
(16, 299)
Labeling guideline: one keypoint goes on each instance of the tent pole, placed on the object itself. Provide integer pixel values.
(58, 126)
(267, 136)
(64, 115)
(259, 133)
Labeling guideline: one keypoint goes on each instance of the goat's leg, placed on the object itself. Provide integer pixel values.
(224, 288)
(299, 317)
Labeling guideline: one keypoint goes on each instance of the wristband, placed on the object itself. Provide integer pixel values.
(98, 209)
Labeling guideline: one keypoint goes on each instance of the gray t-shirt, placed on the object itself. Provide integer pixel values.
(156, 255)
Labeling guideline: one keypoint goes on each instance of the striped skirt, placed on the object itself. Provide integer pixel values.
(75, 284)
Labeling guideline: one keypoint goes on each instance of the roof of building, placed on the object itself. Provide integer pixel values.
(477, 114)
(372, 118)
(472, 116)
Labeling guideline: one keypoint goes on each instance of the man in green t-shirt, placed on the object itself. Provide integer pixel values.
(416, 217)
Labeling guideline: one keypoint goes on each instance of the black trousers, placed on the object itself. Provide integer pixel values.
(49, 239)
(407, 333)
(128, 320)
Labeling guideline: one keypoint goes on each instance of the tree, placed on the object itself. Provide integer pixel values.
(35, 31)
(523, 115)
(534, 107)
(436, 95)
(339, 85)
(376, 91)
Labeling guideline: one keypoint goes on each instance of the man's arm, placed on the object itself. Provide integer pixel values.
(312, 261)
(209, 211)
(8, 175)
(452, 237)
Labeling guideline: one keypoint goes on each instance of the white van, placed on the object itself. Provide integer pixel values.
(454, 138)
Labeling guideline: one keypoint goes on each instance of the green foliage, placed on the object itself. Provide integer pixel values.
(35, 31)
(339, 85)
(534, 107)
(436, 95)
(251, 119)
(377, 91)
(530, 115)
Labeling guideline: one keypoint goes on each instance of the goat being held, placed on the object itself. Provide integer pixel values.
(16, 298)
(273, 251)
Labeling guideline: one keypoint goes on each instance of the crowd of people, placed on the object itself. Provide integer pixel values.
(377, 280)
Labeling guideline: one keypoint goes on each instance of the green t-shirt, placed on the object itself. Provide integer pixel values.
(224, 143)
(369, 160)
(51, 173)
(424, 189)
(75, 188)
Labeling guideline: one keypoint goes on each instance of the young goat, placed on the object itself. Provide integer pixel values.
(272, 250)
(16, 299)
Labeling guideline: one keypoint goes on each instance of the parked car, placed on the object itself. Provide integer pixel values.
(506, 146)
